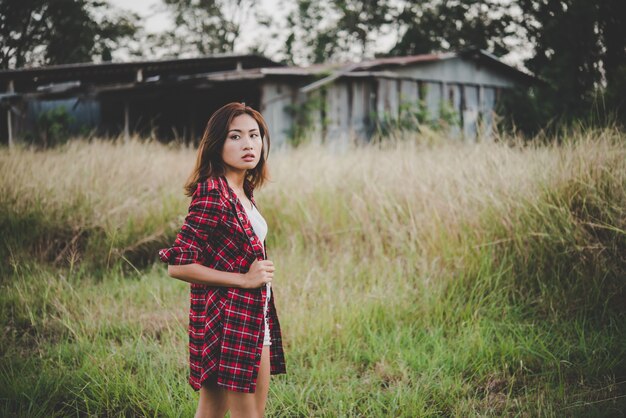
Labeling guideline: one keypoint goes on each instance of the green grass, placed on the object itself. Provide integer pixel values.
(413, 279)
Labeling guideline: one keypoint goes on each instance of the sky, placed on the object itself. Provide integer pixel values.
(155, 20)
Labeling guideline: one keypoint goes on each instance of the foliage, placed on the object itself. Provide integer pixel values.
(38, 32)
(413, 117)
(448, 116)
(304, 113)
(53, 126)
(579, 52)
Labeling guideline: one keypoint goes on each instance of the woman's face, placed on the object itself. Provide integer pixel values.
(243, 138)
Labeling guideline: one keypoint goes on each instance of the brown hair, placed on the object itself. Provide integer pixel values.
(209, 161)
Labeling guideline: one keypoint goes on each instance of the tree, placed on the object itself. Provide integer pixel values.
(38, 32)
(327, 29)
(202, 27)
(612, 18)
(580, 52)
(426, 26)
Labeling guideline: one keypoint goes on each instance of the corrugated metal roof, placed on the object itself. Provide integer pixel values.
(308, 70)
(405, 60)
(117, 71)
(384, 63)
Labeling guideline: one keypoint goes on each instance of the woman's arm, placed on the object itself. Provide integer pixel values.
(261, 272)
(199, 274)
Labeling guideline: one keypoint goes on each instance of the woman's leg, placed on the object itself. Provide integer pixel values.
(263, 381)
(241, 404)
(212, 402)
(252, 405)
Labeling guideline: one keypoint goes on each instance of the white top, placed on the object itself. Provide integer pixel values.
(258, 223)
(260, 229)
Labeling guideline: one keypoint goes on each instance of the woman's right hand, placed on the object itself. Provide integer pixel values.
(260, 272)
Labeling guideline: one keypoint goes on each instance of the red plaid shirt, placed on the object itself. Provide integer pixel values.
(226, 325)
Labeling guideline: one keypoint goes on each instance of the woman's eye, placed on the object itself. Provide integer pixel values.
(234, 137)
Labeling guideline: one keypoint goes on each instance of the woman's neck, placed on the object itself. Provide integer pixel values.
(235, 179)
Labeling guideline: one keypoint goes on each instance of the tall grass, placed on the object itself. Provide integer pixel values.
(91, 201)
(413, 279)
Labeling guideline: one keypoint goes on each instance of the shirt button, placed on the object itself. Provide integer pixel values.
(258, 356)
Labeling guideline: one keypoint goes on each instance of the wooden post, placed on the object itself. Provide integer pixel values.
(126, 122)
(10, 89)
(480, 120)
(192, 126)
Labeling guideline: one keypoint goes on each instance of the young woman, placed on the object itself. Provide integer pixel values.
(235, 340)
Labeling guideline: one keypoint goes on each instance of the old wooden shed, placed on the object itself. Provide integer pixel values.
(337, 103)
(343, 103)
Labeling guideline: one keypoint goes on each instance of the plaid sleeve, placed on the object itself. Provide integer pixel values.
(205, 212)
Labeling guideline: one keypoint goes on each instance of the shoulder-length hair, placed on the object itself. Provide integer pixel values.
(209, 161)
